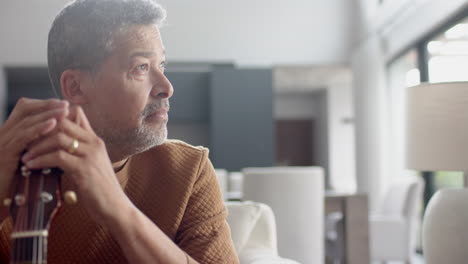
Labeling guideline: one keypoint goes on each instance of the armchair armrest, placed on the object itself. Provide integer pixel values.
(261, 256)
(253, 230)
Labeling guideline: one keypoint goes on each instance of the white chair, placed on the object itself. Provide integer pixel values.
(235, 184)
(394, 228)
(296, 195)
(253, 232)
(222, 176)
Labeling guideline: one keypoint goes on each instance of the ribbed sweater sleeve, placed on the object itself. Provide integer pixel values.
(204, 233)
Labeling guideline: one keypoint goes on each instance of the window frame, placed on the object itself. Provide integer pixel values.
(420, 46)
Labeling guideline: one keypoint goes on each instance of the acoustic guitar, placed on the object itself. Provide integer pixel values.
(36, 200)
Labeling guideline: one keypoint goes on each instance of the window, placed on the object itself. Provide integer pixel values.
(448, 54)
(447, 62)
(441, 57)
(402, 73)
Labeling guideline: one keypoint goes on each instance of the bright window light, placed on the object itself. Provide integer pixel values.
(448, 68)
(402, 73)
(455, 48)
(413, 77)
(435, 47)
(458, 31)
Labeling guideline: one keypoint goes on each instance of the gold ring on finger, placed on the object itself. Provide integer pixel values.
(74, 146)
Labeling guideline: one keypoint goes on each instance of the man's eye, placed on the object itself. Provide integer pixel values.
(142, 68)
(163, 65)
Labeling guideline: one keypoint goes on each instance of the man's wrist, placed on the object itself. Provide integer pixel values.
(120, 218)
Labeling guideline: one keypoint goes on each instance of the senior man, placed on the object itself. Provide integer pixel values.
(142, 198)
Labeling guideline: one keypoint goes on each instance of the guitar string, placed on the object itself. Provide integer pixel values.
(36, 225)
(23, 252)
(21, 209)
(22, 224)
(43, 256)
(34, 253)
(41, 224)
(17, 241)
(16, 253)
(26, 219)
(17, 229)
(36, 256)
(22, 245)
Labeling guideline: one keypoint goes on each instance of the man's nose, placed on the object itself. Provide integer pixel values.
(162, 87)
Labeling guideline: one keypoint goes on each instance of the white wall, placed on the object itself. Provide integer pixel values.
(247, 32)
(294, 106)
(369, 92)
(24, 26)
(341, 134)
(325, 94)
(253, 32)
(381, 33)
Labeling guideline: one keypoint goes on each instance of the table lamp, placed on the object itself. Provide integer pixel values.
(437, 140)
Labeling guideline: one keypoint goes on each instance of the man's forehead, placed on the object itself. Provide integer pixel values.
(143, 33)
(139, 32)
(142, 41)
(146, 54)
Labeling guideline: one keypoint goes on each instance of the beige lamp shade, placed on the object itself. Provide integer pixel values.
(437, 127)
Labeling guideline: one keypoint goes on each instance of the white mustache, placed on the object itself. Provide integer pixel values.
(150, 109)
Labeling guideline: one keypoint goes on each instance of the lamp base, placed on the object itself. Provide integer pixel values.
(445, 233)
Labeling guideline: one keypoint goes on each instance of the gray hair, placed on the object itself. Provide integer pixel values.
(81, 35)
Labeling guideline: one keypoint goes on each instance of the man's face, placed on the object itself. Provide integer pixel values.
(128, 99)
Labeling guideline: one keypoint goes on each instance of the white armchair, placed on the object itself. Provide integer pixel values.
(296, 195)
(253, 231)
(222, 176)
(394, 228)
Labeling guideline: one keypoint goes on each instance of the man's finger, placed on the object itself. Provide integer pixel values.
(59, 158)
(81, 119)
(26, 106)
(33, 127)
(21, 138)
(58, 114)
(69, 131)
(74, 130)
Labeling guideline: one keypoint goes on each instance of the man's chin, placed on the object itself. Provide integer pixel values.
(137, 142)
(150, 141)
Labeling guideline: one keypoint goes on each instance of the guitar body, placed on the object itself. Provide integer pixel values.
(36, 200)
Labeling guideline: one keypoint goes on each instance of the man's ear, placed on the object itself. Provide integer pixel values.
(72, 86)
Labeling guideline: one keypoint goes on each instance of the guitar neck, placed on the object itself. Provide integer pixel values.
(35, 202)
(29, 250)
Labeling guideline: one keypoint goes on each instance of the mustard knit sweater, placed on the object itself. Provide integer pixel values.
(174, 185)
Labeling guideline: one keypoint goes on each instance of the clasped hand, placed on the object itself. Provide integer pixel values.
(40, 133)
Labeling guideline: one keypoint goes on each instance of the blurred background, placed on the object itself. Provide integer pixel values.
(267, 83)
